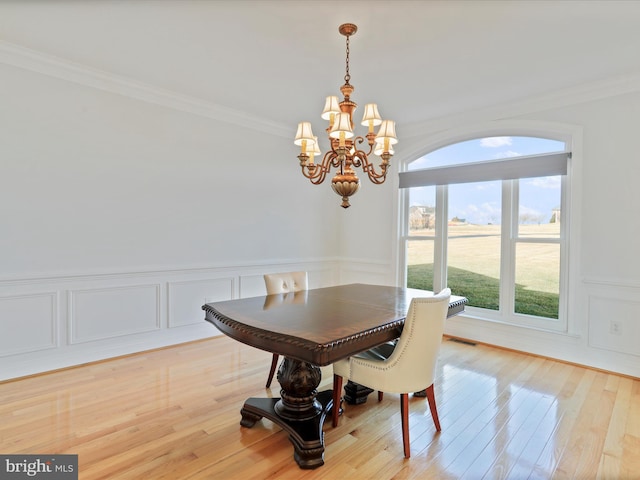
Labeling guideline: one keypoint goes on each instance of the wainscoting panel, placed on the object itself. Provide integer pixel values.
(186, 299)
(52, 321)
(28, 323)
(252, 285)
(614, 324)
(101, 313)
(373, 271)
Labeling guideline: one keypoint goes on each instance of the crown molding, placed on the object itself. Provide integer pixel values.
(50, 65)
(577, 94)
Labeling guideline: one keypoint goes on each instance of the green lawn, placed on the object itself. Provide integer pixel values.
(483, 291)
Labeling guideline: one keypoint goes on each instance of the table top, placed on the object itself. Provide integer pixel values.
(320, 325)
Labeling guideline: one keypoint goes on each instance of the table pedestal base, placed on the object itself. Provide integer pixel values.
(306, 436)
(356, 394)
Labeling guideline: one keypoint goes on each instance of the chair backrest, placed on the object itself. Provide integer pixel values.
(412, 365)
(286, 282)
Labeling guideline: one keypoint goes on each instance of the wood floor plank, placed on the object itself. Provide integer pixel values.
(490, 423)
(630, 462)
(613, 450)
(569, 462)
(175, 412)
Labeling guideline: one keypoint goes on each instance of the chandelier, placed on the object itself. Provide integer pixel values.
(345, 152)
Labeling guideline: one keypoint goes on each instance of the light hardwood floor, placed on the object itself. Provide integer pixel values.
(174, 414)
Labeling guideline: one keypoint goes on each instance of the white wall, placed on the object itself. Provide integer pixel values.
(93, 180)
(119, 218)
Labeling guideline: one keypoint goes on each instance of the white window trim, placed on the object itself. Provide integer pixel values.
(569, 309)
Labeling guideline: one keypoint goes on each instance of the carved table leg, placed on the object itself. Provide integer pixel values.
(300, 411)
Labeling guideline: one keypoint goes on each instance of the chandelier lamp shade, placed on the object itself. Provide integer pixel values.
(346, 150)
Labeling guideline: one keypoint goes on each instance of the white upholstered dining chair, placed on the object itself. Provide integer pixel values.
(283, 283)
(409, 367)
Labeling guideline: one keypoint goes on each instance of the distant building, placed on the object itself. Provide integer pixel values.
(422, 217)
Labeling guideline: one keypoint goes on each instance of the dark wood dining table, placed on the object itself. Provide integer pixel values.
(310, 329)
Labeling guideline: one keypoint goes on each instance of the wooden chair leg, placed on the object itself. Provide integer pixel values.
(432, 406)
(337, 394)
(274, 364)
(380, 396)
(404, 413)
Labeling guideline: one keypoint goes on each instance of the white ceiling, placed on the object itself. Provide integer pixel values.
(277, 60)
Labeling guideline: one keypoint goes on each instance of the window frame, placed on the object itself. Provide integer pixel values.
(509, 235)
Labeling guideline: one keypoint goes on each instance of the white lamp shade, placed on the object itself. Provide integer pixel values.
(304, 133)
(379, 149)
(316, 147)
(371, 114)
(331, 106)
(387, 131)
(342, 123)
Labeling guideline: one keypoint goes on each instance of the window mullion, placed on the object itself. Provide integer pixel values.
(564, 254)
(440, 246)
(507, 254)
(401, 273)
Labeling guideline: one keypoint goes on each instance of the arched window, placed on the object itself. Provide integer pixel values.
(485, 217)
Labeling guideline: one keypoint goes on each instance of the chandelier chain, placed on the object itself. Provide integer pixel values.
(347, 77)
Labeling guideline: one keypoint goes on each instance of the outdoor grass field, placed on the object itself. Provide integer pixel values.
(474, 267)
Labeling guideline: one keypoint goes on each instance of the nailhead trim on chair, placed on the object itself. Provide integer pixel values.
(388, 365)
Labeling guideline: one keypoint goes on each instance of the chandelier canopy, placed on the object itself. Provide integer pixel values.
(345, 152)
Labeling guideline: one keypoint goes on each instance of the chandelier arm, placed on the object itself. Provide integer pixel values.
(361, 140)
(359, 159)
(358, 155)
(318, 173)
(370, 169)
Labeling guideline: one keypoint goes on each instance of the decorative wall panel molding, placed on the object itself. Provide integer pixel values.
(252, 285)
(28, 323)
(53, 321)
(362, 271)
(614, 283)
(614, 324)
(185, 299)
(101, 313)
